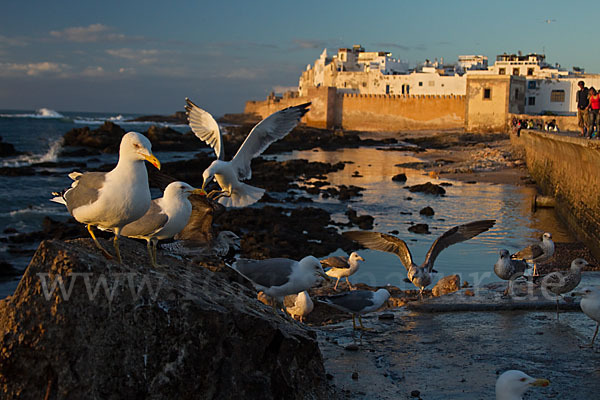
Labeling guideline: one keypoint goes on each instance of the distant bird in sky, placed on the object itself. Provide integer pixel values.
(229, 174)
(512, 385)
(549, 21)
(111, 200)
(420, 276)
(358, 302)
(561, 282)
(165, 218)
(537, 252)
(590, 305)
(341, 266)
(508, 269)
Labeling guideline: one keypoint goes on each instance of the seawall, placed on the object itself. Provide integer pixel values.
(567, 168)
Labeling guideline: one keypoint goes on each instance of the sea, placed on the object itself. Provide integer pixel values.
(24, 200)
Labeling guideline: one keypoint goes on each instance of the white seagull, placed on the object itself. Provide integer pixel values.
(420, 276)
(111, 200)
(165, 218)
(280, 277)
(590, 305)
(511, 385)
(358, 302)
(341, 266)
(300, 305)
(537, 252)
(229, 174)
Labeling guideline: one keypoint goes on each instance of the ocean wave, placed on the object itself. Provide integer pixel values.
(41, 113)
(122, 121)
(51, 155)
(40, 210)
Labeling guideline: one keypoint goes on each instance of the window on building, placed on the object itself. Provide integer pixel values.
(387, 89)
(529, 71)
(516, 94)
(531, 101)
(364, 84)
(531, 85)
(516, 71)
(502, 71)
(420, 83)
(487, 94)
(557, 96)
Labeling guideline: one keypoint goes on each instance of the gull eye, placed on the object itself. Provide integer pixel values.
(523, 379)
(136, 145)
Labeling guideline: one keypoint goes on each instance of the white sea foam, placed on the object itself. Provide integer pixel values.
(51, 155)
(41, 113)
(40, 210)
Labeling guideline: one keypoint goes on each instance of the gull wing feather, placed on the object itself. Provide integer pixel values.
(529, 252)
(205, 127)
(383, 242)
(335, 262)
(154, 220)
(457, 234)
(270, 129)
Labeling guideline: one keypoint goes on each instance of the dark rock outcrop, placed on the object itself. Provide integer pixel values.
(127, 331)
(419, 228)
(429, 188)
(179, 117)
(7, 149)
(399, 177)
(428, 211)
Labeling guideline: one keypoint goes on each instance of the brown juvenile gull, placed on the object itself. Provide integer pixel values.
(561, 282)
(513, 384)
(358, 302)
(508, 269)
(341, 266)
(229, 174)
(220, 246)
(280, 277)
(590, 305)
(111, 200)
(299, 305)
(537, 252)
(420, 276)
(165, 218)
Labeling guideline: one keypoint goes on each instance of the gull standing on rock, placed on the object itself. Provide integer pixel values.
(513, 384)
(280, 277)
(111, 200)
(341, 266)
(561, 282)
(358, 302)
(537, 252)
(590, 305)
(508, 269)
(299, 305)
(229, 174)
(420, 276)
(165, 218)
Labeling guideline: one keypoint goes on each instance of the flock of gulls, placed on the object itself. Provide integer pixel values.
(119, 201)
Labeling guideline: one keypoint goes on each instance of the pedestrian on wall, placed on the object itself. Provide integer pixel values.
(594, 110)
(582, 105)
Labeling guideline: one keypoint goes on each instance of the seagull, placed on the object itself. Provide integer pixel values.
(165, 218)
(280, 277)
(229, 174)
(561, 282)
(420, 276)
(508, 269)
(512, 384)
(299, 305)
(221, 246)
(537, 252)
(342, 266)
(590, 305)
(358, 302)
(111, 200)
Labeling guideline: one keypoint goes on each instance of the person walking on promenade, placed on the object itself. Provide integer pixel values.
(594, 110)
(582, 105)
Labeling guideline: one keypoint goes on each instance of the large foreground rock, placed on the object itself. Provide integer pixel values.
(130, 332)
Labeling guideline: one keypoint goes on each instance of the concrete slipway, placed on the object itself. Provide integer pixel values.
(428, 351)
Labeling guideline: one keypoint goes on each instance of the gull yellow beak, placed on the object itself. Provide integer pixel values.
(361, 259)
(152, 160)
(540, 382)
(201, 192)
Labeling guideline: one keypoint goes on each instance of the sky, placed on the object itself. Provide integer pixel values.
(146, 57)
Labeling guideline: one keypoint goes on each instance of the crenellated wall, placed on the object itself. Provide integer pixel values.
(567, 168)
(392, 113)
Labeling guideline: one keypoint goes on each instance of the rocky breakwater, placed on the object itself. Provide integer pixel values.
(82, 327)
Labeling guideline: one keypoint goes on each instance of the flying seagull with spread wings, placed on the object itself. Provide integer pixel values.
(420, 276)
(229, 174)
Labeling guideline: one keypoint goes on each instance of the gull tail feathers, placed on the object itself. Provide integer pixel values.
(244, 195)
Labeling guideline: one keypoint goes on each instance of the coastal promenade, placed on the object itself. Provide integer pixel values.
(566, 166)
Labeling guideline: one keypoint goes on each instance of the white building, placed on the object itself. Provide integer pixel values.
(556, 95)
(530, 66)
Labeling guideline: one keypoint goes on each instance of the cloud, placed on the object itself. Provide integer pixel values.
(93, 72)
(32, 69)
(241, 73)
(384, 45)
(88, 34)
(140, 56)
(11, 41)
(282, 89)
(309, 43)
